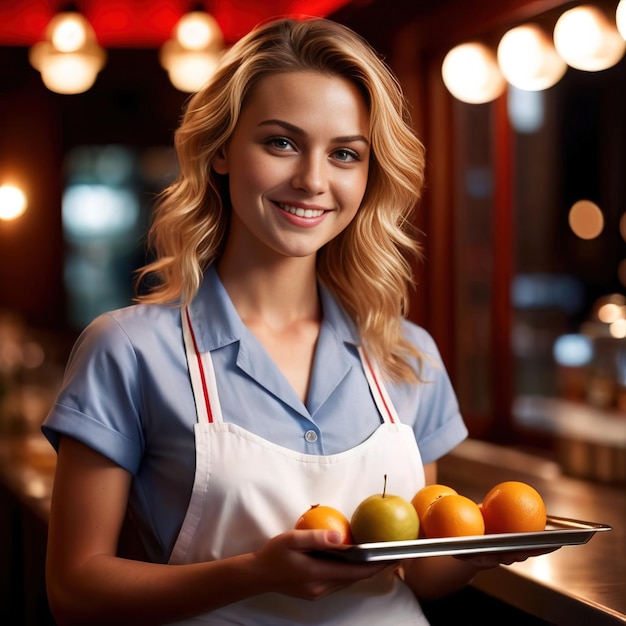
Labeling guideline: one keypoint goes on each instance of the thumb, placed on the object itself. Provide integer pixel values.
(334, 537)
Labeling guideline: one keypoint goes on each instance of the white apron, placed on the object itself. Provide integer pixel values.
(247, 490)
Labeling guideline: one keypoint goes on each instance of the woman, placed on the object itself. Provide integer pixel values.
(268, 369)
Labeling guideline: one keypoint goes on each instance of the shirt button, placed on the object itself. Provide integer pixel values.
(310, 436)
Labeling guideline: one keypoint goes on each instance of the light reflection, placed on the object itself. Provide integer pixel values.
(586, 219)
(540, 567)
(36, 488)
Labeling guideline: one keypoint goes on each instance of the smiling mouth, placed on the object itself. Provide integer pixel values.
(301, 212)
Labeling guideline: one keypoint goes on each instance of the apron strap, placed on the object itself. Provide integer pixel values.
(202, 375)
(379, 391)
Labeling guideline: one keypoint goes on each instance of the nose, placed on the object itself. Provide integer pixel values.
(311, 174)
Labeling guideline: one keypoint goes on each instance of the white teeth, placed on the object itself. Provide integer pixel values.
(301, 212)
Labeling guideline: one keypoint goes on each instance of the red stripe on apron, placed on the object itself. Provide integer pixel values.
(378, 387)
(205, 390)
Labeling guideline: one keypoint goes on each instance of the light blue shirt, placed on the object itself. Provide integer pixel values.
(127, 394)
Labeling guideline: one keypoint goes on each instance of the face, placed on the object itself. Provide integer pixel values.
(297, 164)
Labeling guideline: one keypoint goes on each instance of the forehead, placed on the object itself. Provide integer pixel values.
(308, 96)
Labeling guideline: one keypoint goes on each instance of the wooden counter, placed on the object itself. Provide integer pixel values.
(577, 585)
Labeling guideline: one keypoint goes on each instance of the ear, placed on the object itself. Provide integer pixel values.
(220, 161)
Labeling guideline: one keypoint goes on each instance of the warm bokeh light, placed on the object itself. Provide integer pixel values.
(618, 329)
(609, 312)
(197, 31)
(12, 202)
(610, 308)
(471, 73)
(587, 40)
(70, 58)
(69, 73)
(620, 18)
(528, 58)
(68, 31)
(191, 57)
(586, 219)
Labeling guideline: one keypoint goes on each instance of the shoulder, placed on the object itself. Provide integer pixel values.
(127, 340)
(418, 336)
(134, 324)
(423, 341)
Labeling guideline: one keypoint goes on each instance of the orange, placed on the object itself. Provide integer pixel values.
(513, 507)
(325, 518)
(453, 516)
(427, 495)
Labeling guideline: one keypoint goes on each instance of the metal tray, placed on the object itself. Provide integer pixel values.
(560, 531)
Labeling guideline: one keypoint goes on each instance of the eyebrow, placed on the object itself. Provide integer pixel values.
(299, 131)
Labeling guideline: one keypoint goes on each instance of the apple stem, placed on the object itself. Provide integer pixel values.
(384, 485)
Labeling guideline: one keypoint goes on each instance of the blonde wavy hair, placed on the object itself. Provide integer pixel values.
(367, 267)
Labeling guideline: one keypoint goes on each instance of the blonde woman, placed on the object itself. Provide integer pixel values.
(269, 368)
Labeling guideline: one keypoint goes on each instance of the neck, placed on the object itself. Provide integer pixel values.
(277, 293)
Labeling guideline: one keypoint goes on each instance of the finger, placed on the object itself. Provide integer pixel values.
(308, 540)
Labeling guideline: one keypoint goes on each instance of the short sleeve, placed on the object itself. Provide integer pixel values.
(99, 401)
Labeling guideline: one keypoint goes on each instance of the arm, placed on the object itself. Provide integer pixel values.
(88, 583)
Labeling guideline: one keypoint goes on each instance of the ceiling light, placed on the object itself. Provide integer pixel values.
(528, 59)
(70, 58)
(620, 18)
(471, 73)
(191, 57)
(586, 39)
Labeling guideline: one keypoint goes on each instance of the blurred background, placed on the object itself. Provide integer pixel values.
(523, 218)
(523, 215)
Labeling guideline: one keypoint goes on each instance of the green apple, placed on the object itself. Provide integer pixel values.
(384, 517)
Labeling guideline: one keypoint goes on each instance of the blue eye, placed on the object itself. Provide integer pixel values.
(346, 156)
(280, 143)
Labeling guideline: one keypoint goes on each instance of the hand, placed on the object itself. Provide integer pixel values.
(287, 565)
(488, 560)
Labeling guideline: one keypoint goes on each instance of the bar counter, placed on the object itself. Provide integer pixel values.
(576, 585)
